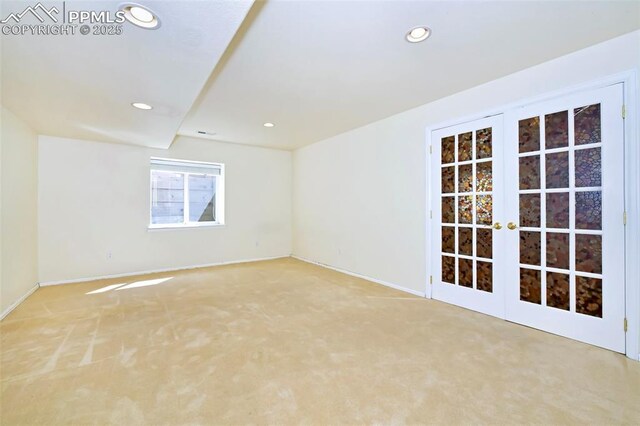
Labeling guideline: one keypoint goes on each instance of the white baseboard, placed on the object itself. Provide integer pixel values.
(17, 302)
(155, 271)
(364, 277)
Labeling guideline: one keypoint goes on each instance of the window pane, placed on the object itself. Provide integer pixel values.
(202, 190)
(167, 197)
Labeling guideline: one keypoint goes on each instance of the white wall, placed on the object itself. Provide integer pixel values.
(359, 197)
(18, 209)
(94, 199)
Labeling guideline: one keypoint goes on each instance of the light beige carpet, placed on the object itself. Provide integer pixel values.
(285, 342)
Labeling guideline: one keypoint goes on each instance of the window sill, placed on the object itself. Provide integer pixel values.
(182, 226)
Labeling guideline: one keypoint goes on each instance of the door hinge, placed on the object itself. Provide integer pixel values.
(625, 325)
(624, 111)
(624, 218)
(430, 214)
(430, 279)
(430, 149)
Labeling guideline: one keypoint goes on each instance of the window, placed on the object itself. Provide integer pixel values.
(186, 193)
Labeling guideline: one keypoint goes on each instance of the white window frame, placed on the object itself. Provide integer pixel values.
(219, 193)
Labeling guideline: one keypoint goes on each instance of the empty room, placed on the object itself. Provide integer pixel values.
(284, 212)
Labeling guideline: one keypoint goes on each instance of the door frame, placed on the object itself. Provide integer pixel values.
(631, 98)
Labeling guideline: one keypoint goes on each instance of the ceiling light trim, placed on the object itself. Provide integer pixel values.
(132, 9)
(142, 106)
(418, 34)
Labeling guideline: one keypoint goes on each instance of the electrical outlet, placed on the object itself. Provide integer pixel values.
(109, 255)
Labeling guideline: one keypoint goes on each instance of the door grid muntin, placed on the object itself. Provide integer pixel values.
(467, 188)
(560, 167)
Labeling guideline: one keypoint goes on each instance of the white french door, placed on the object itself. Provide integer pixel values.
(565, 194)
(467, 197)
(549, 201)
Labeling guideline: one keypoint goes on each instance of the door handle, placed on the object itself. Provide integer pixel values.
(497, 226)
(512, 226)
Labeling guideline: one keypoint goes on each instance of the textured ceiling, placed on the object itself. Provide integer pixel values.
(81, 86)
(319, 68)
(314, 68)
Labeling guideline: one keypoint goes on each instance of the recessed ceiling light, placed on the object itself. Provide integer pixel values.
(268, 124)
(418, 34)
(140, 16)
(141, 105)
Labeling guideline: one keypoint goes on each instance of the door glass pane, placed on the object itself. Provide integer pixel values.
(588, 167)
(465, 178)
(589, 296)
(449, 269)
(558, 250)
(589, 253)
(530, 172)
(529, 134)
(484, 176)
(530, 210)
(483, 143)
(448, 209)
(485, 210)
(448, 150)
(448, 180)
(558, 210)
(464, 147)
(558, 293)
(530, 288)
(484, 276)
(530, 248)
(556, 130)
(587, 124)
(557, 170)
(465, 241)
(167, 197)
(448, 239)
(484, 243)
(589, 210)
(465, 272)
(465, 209)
